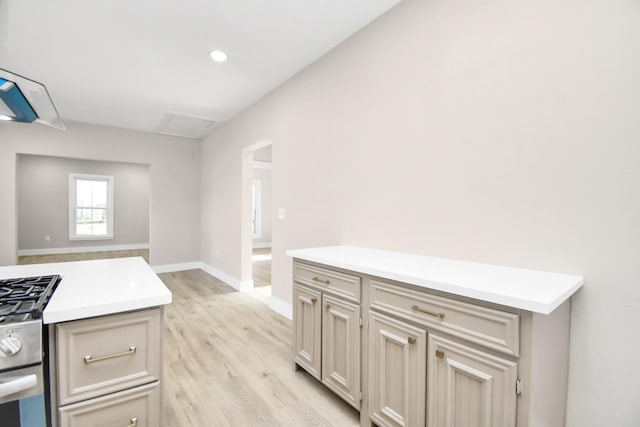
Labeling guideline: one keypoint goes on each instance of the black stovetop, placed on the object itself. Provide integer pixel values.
(25, 298)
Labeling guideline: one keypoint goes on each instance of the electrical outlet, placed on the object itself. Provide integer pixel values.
(47, 238)
(280, 213)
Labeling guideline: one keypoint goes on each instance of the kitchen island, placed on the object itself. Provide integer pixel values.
(96, 287)
(104, 349)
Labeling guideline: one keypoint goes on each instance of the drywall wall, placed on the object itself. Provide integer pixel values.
(496, 131)
(174, 213)
(43, 201)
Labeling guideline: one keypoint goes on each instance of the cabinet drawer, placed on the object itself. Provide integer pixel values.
(341, 284)
(491, 328)
(108, 354)
(139, 407)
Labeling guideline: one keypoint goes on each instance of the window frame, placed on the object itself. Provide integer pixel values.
(256, 209)
(73, 178)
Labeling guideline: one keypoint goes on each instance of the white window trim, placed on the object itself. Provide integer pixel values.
(72, 206)
(257, 183)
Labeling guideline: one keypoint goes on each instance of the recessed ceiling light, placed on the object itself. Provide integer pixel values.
(5, 118)
(218, 56)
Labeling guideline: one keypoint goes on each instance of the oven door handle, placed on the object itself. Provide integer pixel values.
(17, 385)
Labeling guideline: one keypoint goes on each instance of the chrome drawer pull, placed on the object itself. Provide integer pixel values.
(130, 352)
(430, 313)
(134, 422)
(315, 279)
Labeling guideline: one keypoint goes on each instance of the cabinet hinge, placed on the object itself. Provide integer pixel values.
(361, 322)
(361, 396)
(519, 386)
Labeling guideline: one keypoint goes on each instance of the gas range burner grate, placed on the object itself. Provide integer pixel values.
(25, 298)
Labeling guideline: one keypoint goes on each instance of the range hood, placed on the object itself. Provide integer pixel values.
(27, 101)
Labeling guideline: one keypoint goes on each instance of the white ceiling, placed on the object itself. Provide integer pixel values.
(129, 63)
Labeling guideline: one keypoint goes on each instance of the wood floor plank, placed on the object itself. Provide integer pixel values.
(81, 256)
(227, 356)
(261, 267)
(228, 362)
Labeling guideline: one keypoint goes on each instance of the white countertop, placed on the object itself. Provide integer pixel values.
(531, 290)
(97, 287)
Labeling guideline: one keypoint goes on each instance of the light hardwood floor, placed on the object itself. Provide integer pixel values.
(41, 259)
(227, 356)
(261, 267)
(228, 362)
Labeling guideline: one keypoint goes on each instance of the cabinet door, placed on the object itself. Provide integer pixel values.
(469, 388)
(307, 327)
(341, 348)
(397, 372)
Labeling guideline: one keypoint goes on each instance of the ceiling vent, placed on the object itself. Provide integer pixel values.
(186, 126)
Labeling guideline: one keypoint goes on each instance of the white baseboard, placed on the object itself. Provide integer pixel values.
(78, 249)
(283, 308)
(276, 304)
(240, 285)
(262, 245)
(169, 268)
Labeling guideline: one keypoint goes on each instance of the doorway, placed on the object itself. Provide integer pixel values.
(72, 209)
(257, 217)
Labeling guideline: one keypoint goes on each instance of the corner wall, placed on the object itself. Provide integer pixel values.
(499, 132)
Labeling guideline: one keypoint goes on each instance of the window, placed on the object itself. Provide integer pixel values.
(256, 206)
(90, 207)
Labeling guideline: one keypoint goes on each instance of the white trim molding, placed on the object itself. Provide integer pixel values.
(259, 164)
(240, 285)
(170, 268)
(79, 249)
(73, 206)
(256, 207)
(283, 308)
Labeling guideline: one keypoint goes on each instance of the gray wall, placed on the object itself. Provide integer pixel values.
(174, 213)
(43, 201)
(496, 131)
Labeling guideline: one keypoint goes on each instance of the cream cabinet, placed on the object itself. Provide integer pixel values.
(107, 370)
(327, 331)
(397, 386)
(136, 407)
(427, 358)
(308, 328)
(341, 348)
(468, 387)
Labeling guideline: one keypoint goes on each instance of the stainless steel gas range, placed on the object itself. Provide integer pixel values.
(22, 350)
